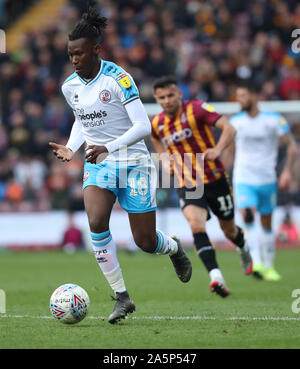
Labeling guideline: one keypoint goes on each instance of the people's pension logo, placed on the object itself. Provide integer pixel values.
(2, 42)
(296, 43)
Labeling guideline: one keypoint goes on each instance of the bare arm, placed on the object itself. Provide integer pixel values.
(227, 156)
(167, 164)
(286, 175)
(226, 138)
(158, 145)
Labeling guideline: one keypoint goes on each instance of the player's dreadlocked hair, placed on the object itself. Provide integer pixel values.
(91, 26)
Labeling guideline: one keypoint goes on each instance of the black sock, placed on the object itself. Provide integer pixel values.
(205, 250)
(239, 239)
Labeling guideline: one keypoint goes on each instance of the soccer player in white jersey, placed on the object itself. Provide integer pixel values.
(254, 174)
(109, 116)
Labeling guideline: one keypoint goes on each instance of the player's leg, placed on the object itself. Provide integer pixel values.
(98, 204)
(152, 240)
(138, 197)
(253, 236)
(197, 217)
(99, 192)
(220, 200)
(246, 200)
(235, 234)
(267, 202)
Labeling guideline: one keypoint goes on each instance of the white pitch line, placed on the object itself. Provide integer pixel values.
(156, 317)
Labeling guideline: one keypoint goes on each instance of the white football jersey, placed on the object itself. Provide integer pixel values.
(99, 106)
(256, 146)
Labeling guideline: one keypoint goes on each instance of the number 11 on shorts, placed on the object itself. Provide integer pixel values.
(225, 203)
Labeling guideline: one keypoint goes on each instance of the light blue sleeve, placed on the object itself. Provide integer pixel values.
(282, 126)
(128, 87)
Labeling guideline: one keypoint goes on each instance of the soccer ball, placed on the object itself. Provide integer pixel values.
(69, 303)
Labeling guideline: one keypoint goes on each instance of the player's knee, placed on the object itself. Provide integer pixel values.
(248, 216)
(97, 225)
(230, 232)
(197, 226)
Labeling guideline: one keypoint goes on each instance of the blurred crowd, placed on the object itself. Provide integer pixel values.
(208, 45)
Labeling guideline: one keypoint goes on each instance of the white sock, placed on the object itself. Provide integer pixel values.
(165, 244)
(268, 247)
(106, 255)
(216, 275)
(252, 235)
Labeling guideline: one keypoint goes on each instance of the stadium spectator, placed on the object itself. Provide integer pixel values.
(72, 239)
(31, 172)
(290, 87)
(57, 185)
(288, 232)
(14, 192)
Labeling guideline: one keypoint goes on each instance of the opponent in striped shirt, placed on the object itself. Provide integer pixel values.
(189, 132)
(184, 128)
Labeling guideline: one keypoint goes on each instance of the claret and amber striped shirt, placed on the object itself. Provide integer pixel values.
(190, 132)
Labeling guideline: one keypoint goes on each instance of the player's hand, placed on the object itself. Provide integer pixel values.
(212, 154)
(61, 152)
(285, 179)
(95, 154)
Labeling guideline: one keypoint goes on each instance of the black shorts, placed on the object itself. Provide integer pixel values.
(217, 197)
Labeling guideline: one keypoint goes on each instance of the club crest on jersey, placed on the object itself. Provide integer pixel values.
(105, 96)
(86, 175)
(123, 80)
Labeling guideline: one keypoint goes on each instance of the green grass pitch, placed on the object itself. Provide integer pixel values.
(170, 314)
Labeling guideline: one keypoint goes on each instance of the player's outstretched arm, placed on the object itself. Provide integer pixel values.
(61, 152)
(286, 175)
(226, 138)
(76, 139)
